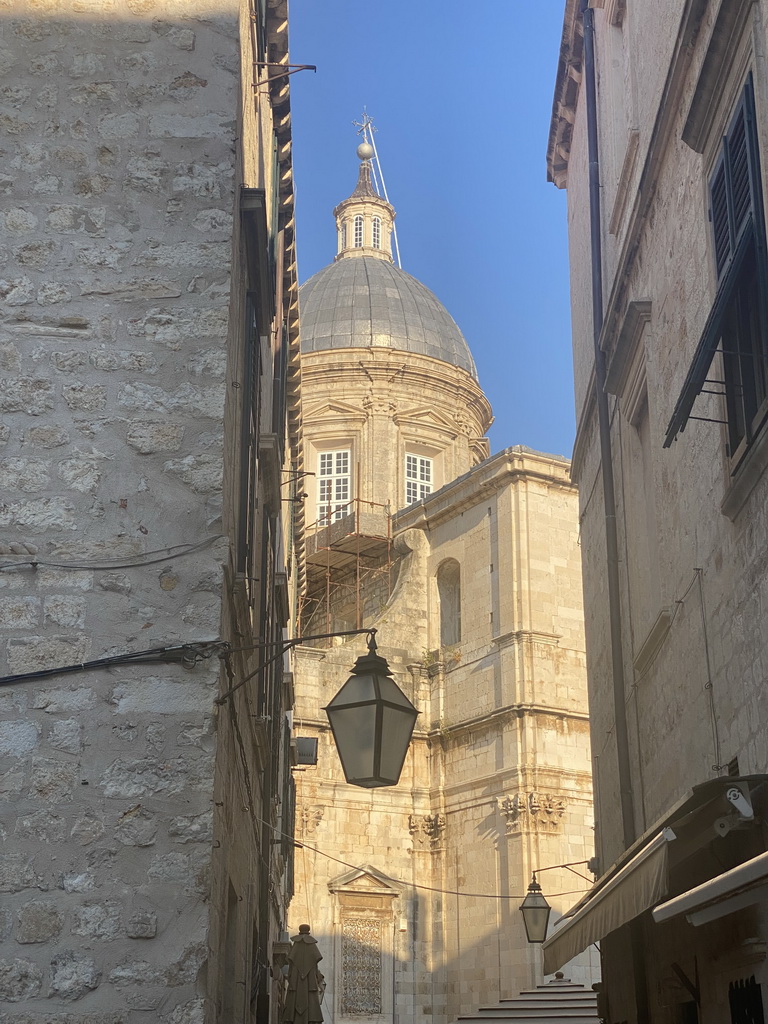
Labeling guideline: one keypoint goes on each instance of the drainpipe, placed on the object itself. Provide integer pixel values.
(609, 500)
(604, 427)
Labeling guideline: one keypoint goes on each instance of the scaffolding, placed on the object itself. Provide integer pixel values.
(347, 560)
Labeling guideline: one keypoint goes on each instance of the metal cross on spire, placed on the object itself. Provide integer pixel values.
(366, 128)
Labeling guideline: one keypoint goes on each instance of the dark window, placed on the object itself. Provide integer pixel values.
(738, 235)
(737, 325)
(746, 1001)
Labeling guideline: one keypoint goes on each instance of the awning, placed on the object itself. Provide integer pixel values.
(637, 885)
(740, 887)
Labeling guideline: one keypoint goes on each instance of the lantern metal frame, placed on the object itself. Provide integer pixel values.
(536, 901)
(535, 911)
(370, 663)
(372, 722)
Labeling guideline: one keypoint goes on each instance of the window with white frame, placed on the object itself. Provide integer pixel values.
(377, 232)
(418, 478)
(358, 232)
(334, 489)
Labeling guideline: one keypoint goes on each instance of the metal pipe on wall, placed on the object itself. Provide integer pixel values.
(609, 499)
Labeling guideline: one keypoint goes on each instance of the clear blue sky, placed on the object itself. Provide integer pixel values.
(462, 96)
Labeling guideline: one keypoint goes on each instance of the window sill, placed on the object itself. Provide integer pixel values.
(751, 469)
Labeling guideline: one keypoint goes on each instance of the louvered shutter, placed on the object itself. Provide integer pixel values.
(733, 187)
(721, 233)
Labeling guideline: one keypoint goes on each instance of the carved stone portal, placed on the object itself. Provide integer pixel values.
(532, 812)
(361, 980)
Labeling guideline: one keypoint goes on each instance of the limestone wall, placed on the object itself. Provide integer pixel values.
(497, 780)
(691, 528)
(118, 181)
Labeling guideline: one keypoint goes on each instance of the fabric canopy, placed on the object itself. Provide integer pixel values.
(732, 890)
(637, 885)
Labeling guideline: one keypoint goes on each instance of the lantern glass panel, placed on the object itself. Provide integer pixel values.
(535, 910)
(396, 730)
(355, 690)
(390, 691)
(354, 731)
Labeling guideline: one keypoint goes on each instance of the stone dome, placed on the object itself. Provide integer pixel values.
(368, 302)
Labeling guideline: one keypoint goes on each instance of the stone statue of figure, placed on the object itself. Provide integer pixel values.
(305, 982)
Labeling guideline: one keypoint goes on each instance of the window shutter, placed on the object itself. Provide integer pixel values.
(719, 215)
(734, 188)
(738, 171)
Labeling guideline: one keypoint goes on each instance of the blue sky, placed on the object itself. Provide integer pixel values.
(462, 96)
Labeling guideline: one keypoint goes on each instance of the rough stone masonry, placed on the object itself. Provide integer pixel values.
(117, 120)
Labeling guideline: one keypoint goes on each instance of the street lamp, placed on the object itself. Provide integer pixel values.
(371, 718)
(372, 723)
(535, 911)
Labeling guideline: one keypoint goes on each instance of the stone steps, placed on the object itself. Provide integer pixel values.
(559, 1001)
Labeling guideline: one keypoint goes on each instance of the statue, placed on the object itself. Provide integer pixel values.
(305, 983)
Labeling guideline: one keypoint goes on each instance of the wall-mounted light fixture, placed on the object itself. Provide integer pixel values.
(371, 718)
(535, 909)
(372, 722)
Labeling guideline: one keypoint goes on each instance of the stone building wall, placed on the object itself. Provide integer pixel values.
(119, 181)
(671, 502)
(691, 520)
(496, 782)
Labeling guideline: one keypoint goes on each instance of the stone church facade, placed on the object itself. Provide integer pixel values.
(468, 567)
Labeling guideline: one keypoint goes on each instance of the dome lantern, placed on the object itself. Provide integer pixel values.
(364, 221)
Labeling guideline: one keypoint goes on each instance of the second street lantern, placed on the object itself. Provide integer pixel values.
(372, 722)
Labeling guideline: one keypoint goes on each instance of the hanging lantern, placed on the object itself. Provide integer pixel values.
(535, 911)
(372, 722)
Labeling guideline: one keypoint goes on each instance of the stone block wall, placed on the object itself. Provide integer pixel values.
(497, 782)
(117, 183)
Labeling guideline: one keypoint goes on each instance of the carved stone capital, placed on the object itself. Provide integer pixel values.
(532, 812)
(426, 827)
(381, 405)
(310, 818)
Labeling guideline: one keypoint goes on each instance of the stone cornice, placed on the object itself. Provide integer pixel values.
(280, 101)
(517, 463)
(408, 373)
(510, 711)
(566, 97)
(520, 636)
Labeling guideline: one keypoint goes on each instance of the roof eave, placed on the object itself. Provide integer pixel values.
(566, 96)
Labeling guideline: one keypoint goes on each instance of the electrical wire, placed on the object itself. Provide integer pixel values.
(411, 885)
(233, 689)
(185, 654)
(709, 685)
(165, 555)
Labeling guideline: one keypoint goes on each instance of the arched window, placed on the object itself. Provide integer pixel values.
(343, 236)
(358, 232)
(449, 598)
(377, 232)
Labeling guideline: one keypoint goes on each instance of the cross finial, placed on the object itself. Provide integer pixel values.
(365, 126)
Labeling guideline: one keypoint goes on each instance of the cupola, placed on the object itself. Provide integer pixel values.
(364, 221)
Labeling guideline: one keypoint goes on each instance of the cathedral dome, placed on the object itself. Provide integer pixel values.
(368, 302)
